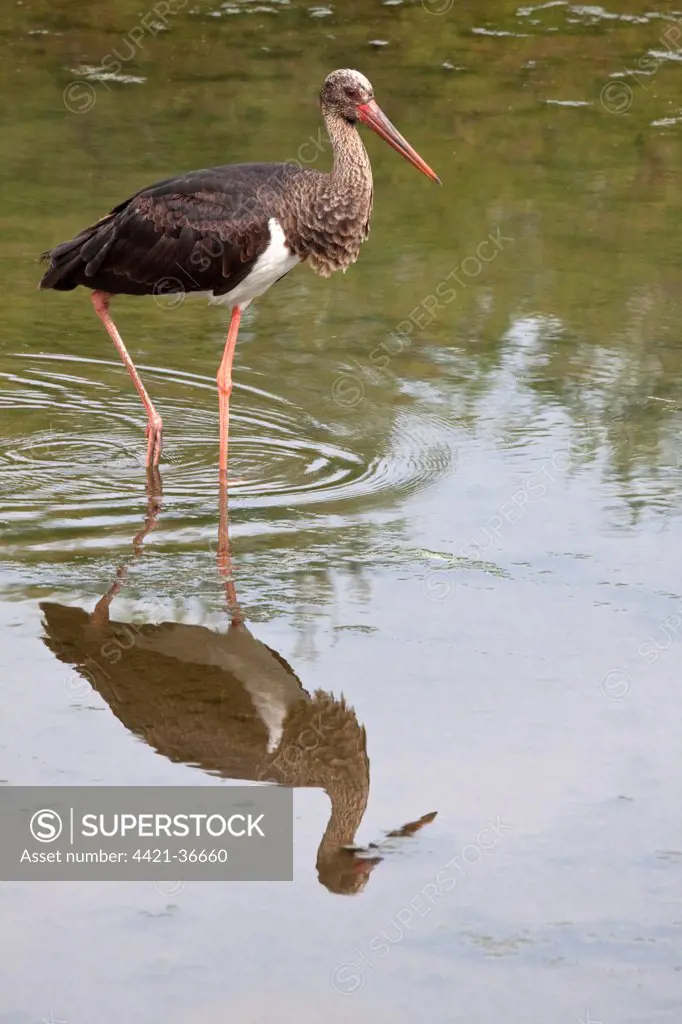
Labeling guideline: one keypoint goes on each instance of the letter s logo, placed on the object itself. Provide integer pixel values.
(46, 826)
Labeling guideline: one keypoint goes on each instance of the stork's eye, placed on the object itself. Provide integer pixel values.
(353, 94)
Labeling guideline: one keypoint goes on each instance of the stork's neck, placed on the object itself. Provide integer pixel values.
(351, 163)
(349, 801)
(326, 216)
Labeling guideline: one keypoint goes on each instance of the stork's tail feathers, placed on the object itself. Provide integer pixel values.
(80, 257)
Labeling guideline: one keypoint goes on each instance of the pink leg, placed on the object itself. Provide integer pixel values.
(100, 301)
(225, 388)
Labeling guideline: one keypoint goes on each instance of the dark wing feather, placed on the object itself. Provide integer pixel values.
(200, 232)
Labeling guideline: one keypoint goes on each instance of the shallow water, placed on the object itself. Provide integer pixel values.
(471, 535)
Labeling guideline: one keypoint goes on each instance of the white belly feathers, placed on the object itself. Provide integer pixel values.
(272, 264)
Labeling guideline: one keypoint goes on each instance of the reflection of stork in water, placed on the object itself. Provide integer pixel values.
(228, 704)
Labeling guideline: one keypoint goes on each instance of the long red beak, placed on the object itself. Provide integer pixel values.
(373, 116)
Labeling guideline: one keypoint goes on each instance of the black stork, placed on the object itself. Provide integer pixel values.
(233, 231)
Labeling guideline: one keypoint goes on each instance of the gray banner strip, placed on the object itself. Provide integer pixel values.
(139, 833)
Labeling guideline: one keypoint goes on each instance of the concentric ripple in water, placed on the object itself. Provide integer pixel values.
(78, 467)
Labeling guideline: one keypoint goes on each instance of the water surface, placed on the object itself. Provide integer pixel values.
(469, 531)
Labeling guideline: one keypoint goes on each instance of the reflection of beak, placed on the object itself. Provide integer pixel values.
(373, 116)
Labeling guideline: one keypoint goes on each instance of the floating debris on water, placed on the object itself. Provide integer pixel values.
(569, 103)
(98, 74)
(498, 32)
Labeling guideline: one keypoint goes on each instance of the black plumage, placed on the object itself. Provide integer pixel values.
(202, 231)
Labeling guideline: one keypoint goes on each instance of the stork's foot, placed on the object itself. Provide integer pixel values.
(154, 435)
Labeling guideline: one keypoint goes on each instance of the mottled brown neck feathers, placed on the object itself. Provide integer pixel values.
(351, 163)
(327, 228)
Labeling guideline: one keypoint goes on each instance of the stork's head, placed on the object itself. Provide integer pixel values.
(350, 95)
